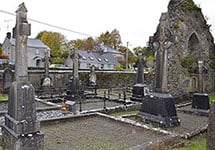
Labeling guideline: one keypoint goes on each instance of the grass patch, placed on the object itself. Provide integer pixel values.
(197, 145)
(124, 113)
(211, 97)
(3, 97)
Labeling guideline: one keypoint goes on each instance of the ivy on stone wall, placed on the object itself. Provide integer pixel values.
(212, 61)
(189, 5)
(190, 62)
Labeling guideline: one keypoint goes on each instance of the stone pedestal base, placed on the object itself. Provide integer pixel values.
(12, 141)
(200, 101)
(138, 92)
(159, 108)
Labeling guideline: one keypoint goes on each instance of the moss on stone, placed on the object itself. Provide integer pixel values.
(189, 5)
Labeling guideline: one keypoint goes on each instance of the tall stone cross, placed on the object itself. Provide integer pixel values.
(140, 71)
(161, 45)
(75, 58)
(46, 63)
(21, 129)
(21, 32)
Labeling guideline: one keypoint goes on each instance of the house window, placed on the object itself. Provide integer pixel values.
(38, 63)
(102, 66)
(91, 58)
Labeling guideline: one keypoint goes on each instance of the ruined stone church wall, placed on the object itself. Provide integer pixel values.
(191, 36)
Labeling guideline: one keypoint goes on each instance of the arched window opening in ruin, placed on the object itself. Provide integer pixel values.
(194, 45)
(194, 84)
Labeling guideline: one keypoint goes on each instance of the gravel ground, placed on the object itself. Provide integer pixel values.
(94, 133)
(45, 115)
(190, 124)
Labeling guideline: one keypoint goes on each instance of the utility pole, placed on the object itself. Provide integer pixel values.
(126, 59)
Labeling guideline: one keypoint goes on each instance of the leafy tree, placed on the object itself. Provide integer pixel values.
(85, 44)
(147, 52)
(111, 39)
(54, 41)
(1, 54)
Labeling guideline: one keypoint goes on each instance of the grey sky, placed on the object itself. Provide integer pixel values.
(136, 20)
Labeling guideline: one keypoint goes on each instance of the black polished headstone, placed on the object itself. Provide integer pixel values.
(200, 101)
(138, 92)
(159, 108)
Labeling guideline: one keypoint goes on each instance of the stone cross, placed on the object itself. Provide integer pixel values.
(200, 65)
(75, 58)
(140, 71)
(46, 63)
(161, 47)
(21, 129)
(21, 32)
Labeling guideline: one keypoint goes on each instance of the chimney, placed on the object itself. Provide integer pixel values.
(8, 35)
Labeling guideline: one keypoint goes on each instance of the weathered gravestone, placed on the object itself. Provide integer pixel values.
(8, 76)
(92, 86)
(21, 130)
(139, 87)
(74, 87)
(201, 100)
(211, 129)
(159, 107)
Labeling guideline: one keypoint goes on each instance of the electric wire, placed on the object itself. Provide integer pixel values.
(50, 25)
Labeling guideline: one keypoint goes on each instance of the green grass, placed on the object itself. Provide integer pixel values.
(3, 97)
(197, 145)
(212, 97)
(124, 113)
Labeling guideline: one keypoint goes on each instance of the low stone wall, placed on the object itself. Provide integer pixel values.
(105, 79)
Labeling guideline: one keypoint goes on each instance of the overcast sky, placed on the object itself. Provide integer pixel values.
(136, 20)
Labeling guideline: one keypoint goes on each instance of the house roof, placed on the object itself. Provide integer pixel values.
(97, 57)
(108, 49)
(87, 56)
(32, 43)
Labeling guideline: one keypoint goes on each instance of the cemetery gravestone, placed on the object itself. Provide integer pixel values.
(7, 80)
(74, 87)
(138, 90)
(201, 100)
(22, 129)
(159, 106)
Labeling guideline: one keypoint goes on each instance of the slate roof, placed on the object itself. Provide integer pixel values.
(97, 57)
(108, 49)
(32, 43)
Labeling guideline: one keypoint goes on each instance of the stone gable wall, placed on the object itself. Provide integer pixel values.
(186, 24)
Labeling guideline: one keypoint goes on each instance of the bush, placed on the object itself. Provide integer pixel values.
(190, 62)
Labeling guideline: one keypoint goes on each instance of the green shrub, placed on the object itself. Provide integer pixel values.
(190, 62)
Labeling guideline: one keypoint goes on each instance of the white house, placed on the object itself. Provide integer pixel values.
(102, 60)
(36, 50)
